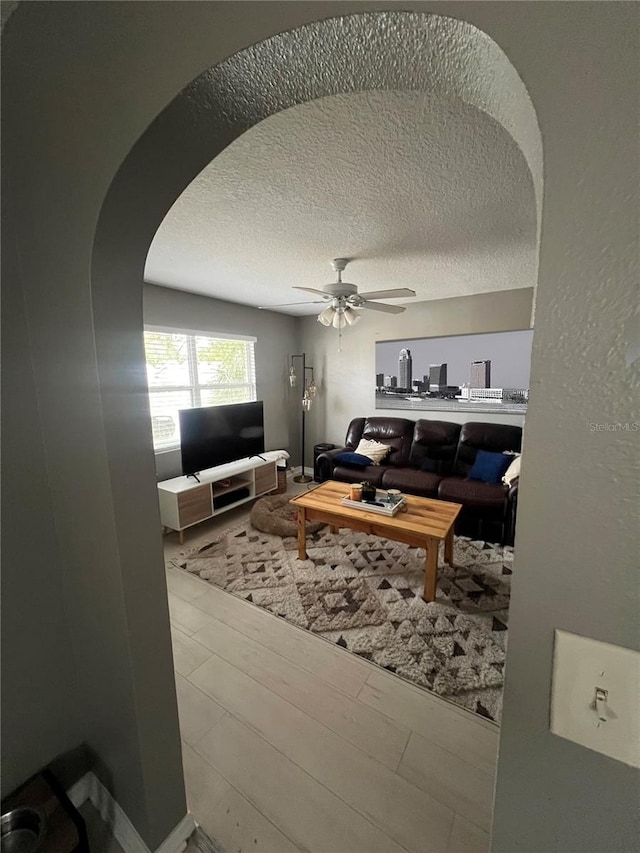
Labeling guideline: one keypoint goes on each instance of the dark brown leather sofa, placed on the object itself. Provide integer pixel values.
(433, 459)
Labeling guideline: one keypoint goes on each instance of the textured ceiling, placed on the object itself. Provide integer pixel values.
(419, 191)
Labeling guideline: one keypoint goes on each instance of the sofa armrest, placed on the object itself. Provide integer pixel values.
(510, 512)
(325, 462)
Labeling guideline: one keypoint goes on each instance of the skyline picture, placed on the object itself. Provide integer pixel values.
(468, 373)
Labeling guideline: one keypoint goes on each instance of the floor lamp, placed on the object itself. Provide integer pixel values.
(308, 392)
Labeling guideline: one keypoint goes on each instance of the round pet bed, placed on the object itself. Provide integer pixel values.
(274, 514)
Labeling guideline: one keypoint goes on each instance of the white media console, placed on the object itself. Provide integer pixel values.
(185, 502)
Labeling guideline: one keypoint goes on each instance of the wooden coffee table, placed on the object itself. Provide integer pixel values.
(423, 524)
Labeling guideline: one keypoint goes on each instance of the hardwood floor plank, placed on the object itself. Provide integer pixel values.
(467, 838)
(197, 711)
(185, 616)
(225, 815)
(458, 731)
(183, 585)
(334, 665)
(358, 723)
(399, 808)
(313, 818)
(449, 779)
(187, 653)
(205, 787)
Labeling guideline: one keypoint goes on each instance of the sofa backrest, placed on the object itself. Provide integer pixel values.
(395, 432)
(354, 433)
(475, 436)
(434, 445)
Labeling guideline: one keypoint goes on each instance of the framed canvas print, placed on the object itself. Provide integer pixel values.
(463, 373)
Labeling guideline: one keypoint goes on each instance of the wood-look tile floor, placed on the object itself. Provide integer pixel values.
(291, 743)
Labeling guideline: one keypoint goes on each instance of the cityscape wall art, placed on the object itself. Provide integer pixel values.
(465, 373)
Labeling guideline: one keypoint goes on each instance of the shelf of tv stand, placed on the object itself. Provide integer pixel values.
(234, 484)
(184, 501)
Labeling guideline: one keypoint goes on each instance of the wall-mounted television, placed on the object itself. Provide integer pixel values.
(215, 435)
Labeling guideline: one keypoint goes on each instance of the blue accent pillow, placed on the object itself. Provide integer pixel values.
(489, 467)
(356, 460)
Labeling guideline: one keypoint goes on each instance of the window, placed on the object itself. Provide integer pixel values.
(190, 369)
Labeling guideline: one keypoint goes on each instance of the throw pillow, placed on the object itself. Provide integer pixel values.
(513, 471)
(356, 460)
(373, 449)
(489, 467)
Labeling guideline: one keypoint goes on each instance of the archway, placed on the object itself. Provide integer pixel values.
(368, 51)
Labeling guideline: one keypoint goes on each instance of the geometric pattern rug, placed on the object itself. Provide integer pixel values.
(364, 593)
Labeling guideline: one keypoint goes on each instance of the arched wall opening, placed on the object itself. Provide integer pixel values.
(360, 52)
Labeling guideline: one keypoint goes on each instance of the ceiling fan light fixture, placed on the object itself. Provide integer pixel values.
(325, 317)
(351, 315)
(345, 301)
(339, 321)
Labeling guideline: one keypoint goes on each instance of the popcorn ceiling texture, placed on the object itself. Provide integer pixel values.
(420, 191)
(398, 166)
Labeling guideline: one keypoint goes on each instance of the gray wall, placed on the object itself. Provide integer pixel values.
(277, 340)
(81, 82)
(578, 543)
(36, 637)
(347, 378)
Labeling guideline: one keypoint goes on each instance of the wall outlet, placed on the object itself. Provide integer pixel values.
(595, 696)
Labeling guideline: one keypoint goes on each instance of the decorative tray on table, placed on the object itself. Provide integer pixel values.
(381, 506)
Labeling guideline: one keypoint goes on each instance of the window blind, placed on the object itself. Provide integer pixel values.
(187, 370)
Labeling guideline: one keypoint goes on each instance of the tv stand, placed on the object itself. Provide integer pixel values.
(184, 503)
(195, 477)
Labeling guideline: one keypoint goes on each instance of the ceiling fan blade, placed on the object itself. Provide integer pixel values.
(287, 304)
(388, 309)
(313, 290)
(397, 293)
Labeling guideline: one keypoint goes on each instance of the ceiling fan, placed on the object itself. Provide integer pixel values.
(343, 299)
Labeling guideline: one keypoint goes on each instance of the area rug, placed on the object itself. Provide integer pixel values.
(364, 593)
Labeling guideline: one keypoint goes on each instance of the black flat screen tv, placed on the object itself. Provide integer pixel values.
(215, 435)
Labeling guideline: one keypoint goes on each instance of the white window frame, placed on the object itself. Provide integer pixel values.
(195, 388)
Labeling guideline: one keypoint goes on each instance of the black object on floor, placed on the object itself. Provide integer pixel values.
(47, 815)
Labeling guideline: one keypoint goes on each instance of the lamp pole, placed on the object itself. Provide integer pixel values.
(308, 392)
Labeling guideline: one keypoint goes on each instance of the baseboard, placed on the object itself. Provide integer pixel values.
(298, 470)
(176, 841)
(89, 787)
(80, 791)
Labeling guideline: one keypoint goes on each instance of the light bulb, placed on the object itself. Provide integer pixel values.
(312, 388)
(306, 402)
(339, 321)
(326, 316)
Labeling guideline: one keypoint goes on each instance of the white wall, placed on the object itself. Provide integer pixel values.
(276, 340)
(347, 378)
(81, 82)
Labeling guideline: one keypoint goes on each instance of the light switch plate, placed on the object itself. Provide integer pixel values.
(595, 696)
